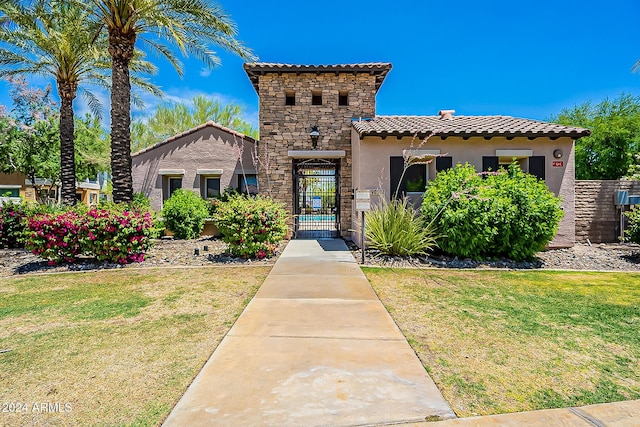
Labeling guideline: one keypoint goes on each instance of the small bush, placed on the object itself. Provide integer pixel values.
(55, 236)
(11, 224)
(185, 213)
(117, 236)
(252, 226)
(509, 213)
(395, 228)
(632, 233)
(114, 235)
(13, 221)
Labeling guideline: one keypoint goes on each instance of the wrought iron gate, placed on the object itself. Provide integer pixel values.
(316, 198)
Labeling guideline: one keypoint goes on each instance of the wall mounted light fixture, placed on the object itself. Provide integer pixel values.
(557, 153)
(314, 134)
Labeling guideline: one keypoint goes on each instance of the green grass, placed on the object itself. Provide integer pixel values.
(119, 346)
(500, 341)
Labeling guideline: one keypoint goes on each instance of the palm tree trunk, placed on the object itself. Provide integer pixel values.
(67, 92)
(121, 51)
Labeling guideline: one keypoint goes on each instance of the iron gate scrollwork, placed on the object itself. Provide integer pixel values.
(316, 203)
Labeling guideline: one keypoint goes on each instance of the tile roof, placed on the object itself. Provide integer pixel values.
(463, 126)
(193, 130)
(256, 69)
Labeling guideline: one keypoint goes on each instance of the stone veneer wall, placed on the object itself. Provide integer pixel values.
(596, 217)
(284, 127)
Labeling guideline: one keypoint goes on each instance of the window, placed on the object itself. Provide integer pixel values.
(211, 187)
(414, 179)
(249, 186)
(316, 97)
(173, 183)
(343, 98)
(9, 191)
(534, 165)
(289, 98)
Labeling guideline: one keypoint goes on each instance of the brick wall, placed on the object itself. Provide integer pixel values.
(286, 127)
(596, 216)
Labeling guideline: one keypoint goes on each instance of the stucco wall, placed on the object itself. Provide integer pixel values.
(285, 127)
(596, 215)
(207, 148)
(374, 154)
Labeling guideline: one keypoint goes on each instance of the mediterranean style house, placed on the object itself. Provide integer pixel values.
(321, 141)
(206, 159)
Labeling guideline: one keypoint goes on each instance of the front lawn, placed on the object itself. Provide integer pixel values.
(500, 341)
(112, 347)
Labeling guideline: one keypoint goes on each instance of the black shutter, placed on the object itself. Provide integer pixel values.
(444, 163)
(395, 170)
(490, 163)
(536, 166)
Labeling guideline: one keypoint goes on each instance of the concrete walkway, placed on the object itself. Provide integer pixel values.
(314, 347)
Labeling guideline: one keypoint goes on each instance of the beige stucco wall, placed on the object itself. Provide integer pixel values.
(207, 148)
(372, 160)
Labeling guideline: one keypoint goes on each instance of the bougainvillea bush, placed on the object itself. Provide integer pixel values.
(505, 213)
(117, 236)
(54, 236)
(251, 225)
(114, 235)
(11, 224)
(13, 220)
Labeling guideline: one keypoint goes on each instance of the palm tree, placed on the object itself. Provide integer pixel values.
(53, 39)
(191, 25)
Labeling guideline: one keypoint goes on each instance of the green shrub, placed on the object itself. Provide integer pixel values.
(395, 228)
(252, 226)
(185, 213)
(508, 213)
(632, 233)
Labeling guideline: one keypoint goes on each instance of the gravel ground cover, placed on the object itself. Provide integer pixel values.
(596, 257)
(164, 253)
(212, 251)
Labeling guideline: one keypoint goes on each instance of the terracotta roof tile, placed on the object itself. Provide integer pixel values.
(256, 69)
(464, 126)
(193, 130)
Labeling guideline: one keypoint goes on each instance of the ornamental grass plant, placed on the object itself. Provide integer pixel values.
(395, 228)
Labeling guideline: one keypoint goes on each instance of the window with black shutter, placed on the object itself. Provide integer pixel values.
(490, 163)
(443, 163)
(414, 179)
(536, 166)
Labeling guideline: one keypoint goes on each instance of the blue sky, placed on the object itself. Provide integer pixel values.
(524, 58)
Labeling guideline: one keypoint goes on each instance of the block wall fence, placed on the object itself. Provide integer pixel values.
(596, 215)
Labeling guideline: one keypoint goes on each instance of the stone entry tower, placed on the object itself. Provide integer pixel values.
(295, 99)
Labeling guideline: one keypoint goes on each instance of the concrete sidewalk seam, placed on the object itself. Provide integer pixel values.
(588, 418)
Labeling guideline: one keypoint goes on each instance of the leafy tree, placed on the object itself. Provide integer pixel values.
(193, 26)
(92, 147)
(54, 38)
(615, 136)
(172, 118)
(29, 136)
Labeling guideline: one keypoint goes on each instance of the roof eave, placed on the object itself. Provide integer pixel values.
(255, 70)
